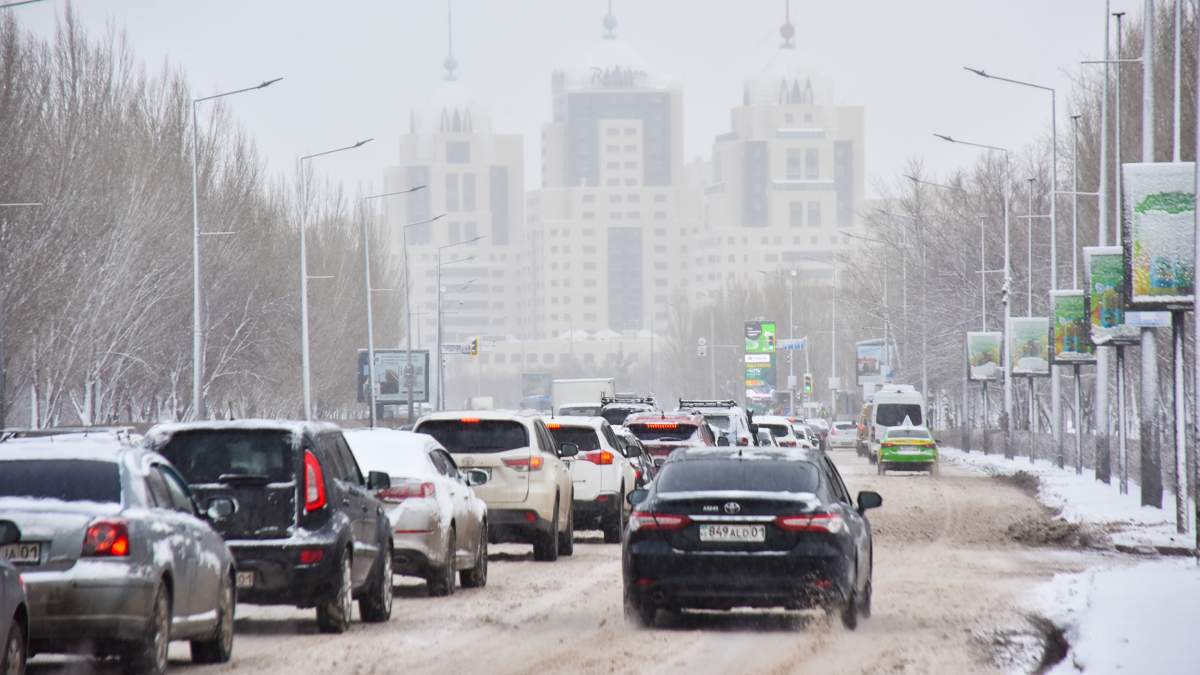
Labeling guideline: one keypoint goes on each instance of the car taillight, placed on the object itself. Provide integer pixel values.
(531, 463)
(887, 444)
(409, 489)
(106, 538)
(637, 474)
(314, 483)
(787, 444)
(744, 440)
(599, 457)
(648, 520)
(311, 556)
(812, 522)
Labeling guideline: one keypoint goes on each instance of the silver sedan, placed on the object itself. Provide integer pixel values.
(439, 526)
(116, 559)
(14, 613)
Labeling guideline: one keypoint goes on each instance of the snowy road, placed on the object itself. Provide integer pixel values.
(947, 579)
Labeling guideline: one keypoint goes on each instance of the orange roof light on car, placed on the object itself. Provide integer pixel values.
(469, 420)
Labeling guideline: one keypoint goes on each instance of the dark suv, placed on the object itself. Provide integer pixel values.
(306, 527)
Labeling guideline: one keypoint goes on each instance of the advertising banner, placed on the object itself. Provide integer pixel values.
(760, 383)
(1070, 329)
(535, 390)
(1029, 345)
(983, 356)
(1158, 210)
(389, 376)
(873, 362)
(1104, 296)
(760, 337)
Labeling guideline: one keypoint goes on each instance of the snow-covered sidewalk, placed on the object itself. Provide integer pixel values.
(1081, 499)
(1133, 619)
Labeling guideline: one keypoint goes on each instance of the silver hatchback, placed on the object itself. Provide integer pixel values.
(115, 557)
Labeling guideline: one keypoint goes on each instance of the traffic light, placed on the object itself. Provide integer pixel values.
(808, 383)
(473, 346)
(770, 342)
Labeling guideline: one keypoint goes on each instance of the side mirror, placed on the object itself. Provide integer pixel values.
(637, 496)
(869, 500)
(9, 533)
(723, 441)
(475, 477)
(220, 508)
(632, 450)
(568, 450)
(378, 480)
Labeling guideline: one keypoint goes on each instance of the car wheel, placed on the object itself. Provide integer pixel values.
(219, 647)
(640, 612)
(545, 546)
(333, 615)
(616, 524)
(864, 607)
(476, 577)
(376, 606)
(12, 661)
(149, 656)
(566, 540)
(441, 579)
(871, 457)
(850, 611)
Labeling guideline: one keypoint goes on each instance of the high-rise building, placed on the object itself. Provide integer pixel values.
(786, 179)
(612, 225)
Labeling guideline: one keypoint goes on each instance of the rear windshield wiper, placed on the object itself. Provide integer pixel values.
(243, 479)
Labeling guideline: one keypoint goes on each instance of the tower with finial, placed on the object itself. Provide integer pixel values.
(787, 31)
(610, 23)
(451, 63)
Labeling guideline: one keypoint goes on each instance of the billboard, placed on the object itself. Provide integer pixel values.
(389, 376)
(535, 390)
(1029, 345)
(1070, 330)
(760, 383)
(983, 356)
(760, 337)
(1158, 210)
(1104, 296)
(873, 363)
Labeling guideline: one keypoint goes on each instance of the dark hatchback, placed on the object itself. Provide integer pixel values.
(753, 527)
(307, 529)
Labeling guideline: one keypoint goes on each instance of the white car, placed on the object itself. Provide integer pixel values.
(842, 435)
(726, 417)
(439, 526)
(781, 430)
(529, 492)
(601, 473)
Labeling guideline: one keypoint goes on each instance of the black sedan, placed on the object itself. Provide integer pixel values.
(748, 527)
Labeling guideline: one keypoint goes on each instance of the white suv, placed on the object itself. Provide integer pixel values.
(529, 494)
(726, 417)
(843, 435)
(601, 472)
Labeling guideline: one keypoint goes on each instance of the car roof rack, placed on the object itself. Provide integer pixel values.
(620, 398)
(121, 433)
(706, 403)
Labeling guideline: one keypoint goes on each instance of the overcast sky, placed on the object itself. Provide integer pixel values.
(355, 68)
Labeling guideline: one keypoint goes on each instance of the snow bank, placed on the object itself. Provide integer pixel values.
(1136, 619)
(1084, 500)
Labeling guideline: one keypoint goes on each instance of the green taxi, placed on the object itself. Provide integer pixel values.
(907, 449)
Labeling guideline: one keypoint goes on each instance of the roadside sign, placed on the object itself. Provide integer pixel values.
(390, 372)
(701, 350)
(835, 383)
(758, 358)
(793, 343)
(1148, 319)
(455, 348)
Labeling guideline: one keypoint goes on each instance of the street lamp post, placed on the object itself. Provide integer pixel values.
(441, 383)
(197, 322)
(304, 356)
(371, 393)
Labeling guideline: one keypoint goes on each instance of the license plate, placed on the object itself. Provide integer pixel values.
(245, 579)
(730, 532)
(28, 553)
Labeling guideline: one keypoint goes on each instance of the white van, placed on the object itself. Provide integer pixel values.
(894, 405)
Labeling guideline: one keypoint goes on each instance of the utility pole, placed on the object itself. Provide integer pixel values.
(1102, 424)
(1151, 462)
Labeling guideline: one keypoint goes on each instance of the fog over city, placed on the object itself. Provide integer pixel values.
(599, 336)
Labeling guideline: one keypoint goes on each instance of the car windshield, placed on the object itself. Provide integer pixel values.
(477, 436)
(719, 421)
(205, 455)
(616, 415)
(663, 431)
(585, 437)
(579, 411)
(908, 433)
(67, 480)
(896, 414)
(844, 426)
(734, 474)
(777, 430)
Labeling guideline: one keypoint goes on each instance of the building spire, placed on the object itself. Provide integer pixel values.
(451, 63)
(610, 24)
(787, 31)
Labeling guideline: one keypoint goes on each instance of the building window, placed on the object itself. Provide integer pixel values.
(812, 163)
(451, 192)
(468, 191)
(470, 230)
(814, 214)
(614, 198)
(453, 231)
(794, 165)
(458, 152)
(588, 199)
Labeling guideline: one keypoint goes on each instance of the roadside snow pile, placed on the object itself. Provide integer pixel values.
(1136, 619)
(1083, 500)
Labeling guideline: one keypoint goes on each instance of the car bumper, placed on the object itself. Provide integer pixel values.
(522, 526)
(591, 512)
(93, 603)
(891, 458)
(279, 577)
(816, 577)
(842, 443)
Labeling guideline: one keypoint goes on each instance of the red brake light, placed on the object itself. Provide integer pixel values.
(409, 489)
(311, 556)
(469, 420)
(648, 520)
(314, 483)
(662, 425)
(744, 440)
(531, 463)
(812, 522)
(599, 457)
(106, 538)
(553, 425)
